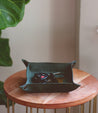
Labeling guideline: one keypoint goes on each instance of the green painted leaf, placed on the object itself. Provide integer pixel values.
(0, 33)
(3, 98)
(11, 12)
(5, 59)
(27, 1)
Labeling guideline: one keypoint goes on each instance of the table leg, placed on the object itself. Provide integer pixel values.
(54, 110)
(82, 108)
(90, 106)
(95, 105)
(66, 110)
(37, 110)
(13, 107)
(26, 109)
(8, 109)
(44, 110)
(69, 109)
(30, 109)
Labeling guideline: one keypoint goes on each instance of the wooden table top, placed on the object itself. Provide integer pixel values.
(87, 91)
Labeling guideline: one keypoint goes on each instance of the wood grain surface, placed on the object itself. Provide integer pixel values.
(87, 91)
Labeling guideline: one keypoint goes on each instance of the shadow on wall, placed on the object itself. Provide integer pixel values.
(63, 43)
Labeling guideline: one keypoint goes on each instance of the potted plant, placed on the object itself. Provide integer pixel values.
(11, 13)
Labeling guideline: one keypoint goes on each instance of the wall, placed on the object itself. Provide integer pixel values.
(47, 33)
(88, 39)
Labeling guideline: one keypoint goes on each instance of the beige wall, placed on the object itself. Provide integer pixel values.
(88, 40)
(89, 37)
(47, 33)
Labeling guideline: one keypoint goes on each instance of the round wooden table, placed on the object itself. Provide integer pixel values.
(85, 93)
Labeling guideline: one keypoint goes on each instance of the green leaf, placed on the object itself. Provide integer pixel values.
(11, 12)
(3, 98)
(27, 1)
(5, 59)
(0, 33)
